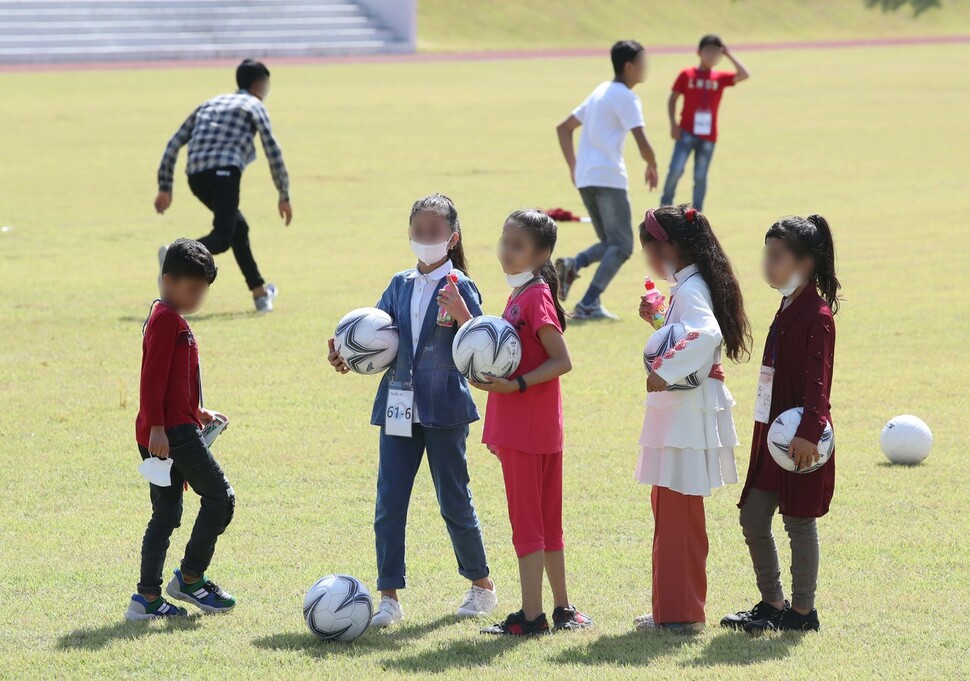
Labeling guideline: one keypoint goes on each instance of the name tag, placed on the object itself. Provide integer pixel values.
(762, 401)
(400, 410)
(703, 122)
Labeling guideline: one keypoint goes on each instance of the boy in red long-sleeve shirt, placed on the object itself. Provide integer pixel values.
(169, 426)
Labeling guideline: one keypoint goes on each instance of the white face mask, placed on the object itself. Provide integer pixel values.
(430, 254)
(670, 273)
(793, 283)
(520, 279)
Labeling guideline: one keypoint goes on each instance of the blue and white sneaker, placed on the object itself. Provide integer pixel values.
(140, 609)
(203, 594)
(264, 303)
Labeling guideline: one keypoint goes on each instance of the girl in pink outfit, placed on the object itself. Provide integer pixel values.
(524, 423)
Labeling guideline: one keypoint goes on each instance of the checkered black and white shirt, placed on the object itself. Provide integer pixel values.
(220, 133)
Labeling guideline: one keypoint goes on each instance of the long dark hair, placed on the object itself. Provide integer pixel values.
(690, 232)
(441, 205)
(542, 228)
(812, 237)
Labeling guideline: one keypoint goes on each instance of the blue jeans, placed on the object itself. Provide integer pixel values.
(703, 151)
(400, 458)
(609, 209)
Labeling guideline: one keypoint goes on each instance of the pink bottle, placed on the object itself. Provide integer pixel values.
(444, 318)
(656, 298)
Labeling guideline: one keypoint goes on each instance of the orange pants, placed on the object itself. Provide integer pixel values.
(679, 556)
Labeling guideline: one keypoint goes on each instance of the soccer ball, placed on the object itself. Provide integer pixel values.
(338, 608)
(906, 439)
(367, 340)
(782, 432)
(486, 345)
(662, 344)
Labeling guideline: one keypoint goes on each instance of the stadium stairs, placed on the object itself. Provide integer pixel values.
(39, 31)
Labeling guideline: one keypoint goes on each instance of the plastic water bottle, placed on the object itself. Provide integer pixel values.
(656, 298)
(444, 318)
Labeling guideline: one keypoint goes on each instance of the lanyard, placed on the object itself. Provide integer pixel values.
(706, 93)
(673, 292)
(773, 334)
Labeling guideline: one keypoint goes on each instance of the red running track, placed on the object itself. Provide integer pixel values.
(496, 55)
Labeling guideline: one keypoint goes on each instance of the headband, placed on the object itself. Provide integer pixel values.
(654, 228)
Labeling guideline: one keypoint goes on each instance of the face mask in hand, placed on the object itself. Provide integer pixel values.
(521, 279)
(793, 283)
(429, 254)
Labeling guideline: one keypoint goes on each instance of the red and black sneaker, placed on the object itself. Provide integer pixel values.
(517, 625)
(569, 619)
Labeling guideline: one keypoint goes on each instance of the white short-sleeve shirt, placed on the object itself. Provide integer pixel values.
(607, 115)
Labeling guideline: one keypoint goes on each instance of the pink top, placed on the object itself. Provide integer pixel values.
(530, 421)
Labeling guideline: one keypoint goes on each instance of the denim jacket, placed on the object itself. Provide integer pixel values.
(441, 394)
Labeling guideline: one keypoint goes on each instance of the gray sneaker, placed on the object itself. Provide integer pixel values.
(162, 252)
(265, 303)
(567, 272)
(596, 312)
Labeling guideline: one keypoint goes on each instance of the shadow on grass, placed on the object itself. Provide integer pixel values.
(372, 641)
(479, 651)
(737, 648)
(207, 316)
(636, 648)
(95, 638)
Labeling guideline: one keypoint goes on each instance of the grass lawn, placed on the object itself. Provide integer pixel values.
(518, 24)
(875, 139)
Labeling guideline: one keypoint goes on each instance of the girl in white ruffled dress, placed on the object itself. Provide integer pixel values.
(688, 438)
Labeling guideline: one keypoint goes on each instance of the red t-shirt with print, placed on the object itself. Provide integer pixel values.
(531, 421)
(702, 90)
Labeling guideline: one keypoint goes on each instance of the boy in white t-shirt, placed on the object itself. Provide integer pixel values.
(610, 112)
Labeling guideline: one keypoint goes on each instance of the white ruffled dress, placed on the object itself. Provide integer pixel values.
(688, 438)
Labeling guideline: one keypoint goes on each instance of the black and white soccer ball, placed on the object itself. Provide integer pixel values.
(338, 608)
(782, 432)
(367, 340)
(486, 346)
(663, 344)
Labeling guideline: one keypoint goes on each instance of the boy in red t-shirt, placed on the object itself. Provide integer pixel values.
(701, 87)
(168, 426)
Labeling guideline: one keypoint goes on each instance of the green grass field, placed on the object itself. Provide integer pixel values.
(875, 139)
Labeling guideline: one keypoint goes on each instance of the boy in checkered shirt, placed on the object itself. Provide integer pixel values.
(220, 135)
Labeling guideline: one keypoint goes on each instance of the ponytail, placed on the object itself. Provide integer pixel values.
(811, 237)
(828, 283)
(543, 230)
(548, 272)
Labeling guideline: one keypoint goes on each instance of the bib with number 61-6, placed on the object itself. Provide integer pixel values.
(400, 410)
(703, 122)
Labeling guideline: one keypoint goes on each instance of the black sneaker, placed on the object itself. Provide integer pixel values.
(762, 611)
(570, 619)
(789, 621)
(517, 625)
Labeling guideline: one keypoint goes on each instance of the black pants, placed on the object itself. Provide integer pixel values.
(191, 463)
(218, 189)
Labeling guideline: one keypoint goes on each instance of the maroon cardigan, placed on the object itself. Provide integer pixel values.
(804, 354)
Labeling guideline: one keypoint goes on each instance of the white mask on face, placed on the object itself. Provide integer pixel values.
(430, 254)
(520, 279)
(793, 283)
(670, 273)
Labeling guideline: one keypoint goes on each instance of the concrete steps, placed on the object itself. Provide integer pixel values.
(37, 31)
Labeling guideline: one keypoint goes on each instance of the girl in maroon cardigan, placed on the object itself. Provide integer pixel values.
(799, 261)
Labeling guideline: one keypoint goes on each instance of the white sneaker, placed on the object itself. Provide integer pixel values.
(162, 251)
(478, 602)
(645, 622)
(389, 613)
(264, 303)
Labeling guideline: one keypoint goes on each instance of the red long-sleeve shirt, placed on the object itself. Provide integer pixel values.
(169, 394)
(803, 359)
